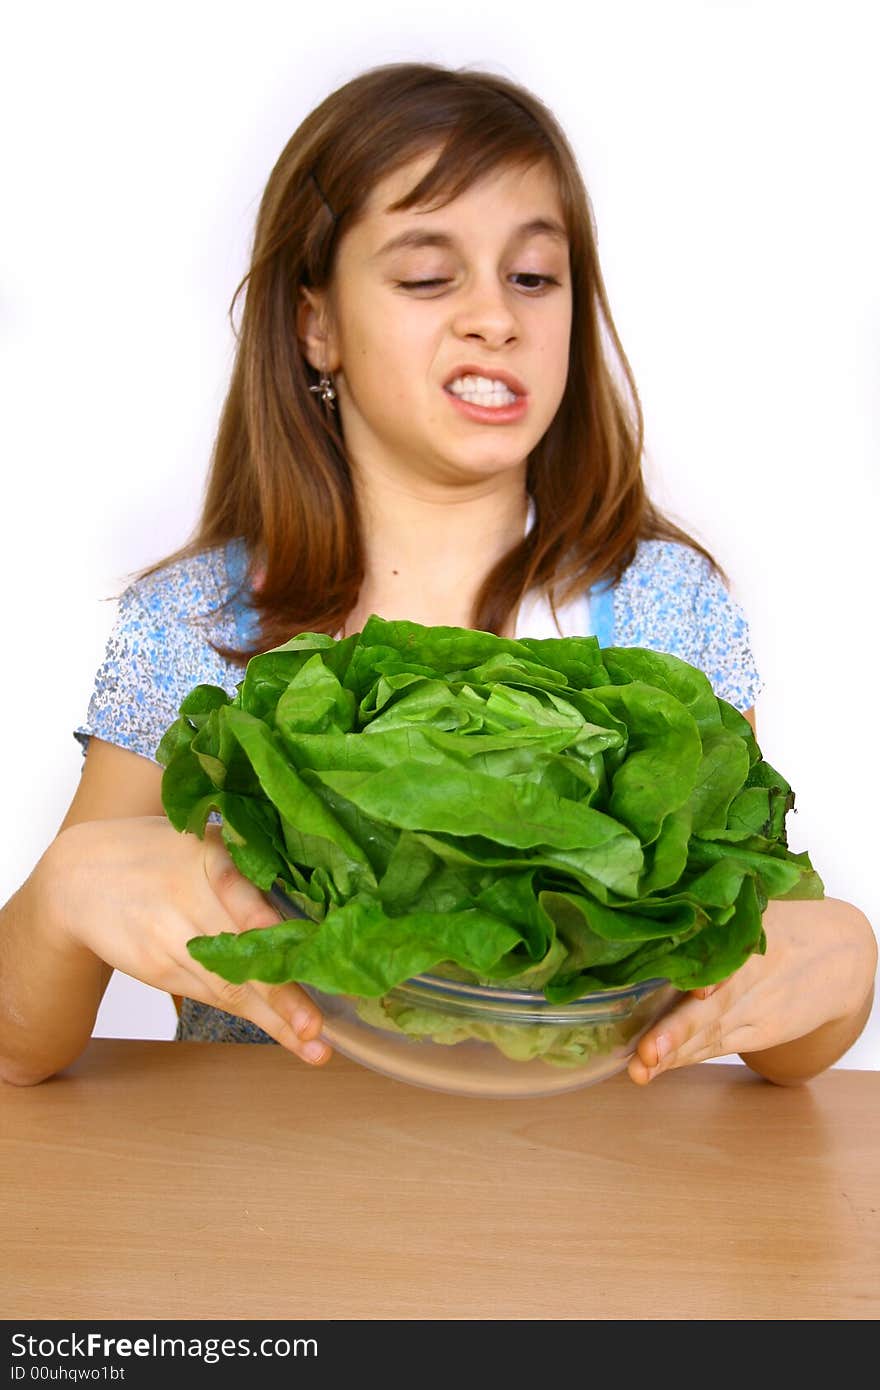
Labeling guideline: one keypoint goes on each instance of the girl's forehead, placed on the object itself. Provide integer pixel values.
(533, 188)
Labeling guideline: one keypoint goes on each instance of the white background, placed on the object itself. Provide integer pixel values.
(730, 153)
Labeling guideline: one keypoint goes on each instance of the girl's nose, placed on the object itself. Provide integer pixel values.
(486, 314)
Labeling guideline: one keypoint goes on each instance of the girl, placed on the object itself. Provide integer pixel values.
(430, 417)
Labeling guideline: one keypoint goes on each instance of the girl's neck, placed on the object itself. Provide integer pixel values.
(427, 551)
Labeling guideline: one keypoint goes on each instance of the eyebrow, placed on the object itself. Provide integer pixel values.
(415, 237)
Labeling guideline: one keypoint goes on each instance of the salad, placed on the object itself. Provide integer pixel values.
(538, 814)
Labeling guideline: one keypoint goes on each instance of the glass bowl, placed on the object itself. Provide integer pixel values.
(488, 1041)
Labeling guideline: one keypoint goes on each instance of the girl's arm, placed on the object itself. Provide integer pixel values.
(50, 987)
(807, 1056)
(119, 887)
(790, 1013)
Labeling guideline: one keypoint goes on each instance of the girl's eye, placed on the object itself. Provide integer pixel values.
(542, 280)
(539, 282)
(420, 284)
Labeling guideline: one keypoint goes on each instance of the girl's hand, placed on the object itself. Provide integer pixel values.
(789, 1013)
(134, 891)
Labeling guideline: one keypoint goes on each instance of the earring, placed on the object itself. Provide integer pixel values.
(325, 390)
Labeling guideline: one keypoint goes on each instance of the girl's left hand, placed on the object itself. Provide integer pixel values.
(816, 974)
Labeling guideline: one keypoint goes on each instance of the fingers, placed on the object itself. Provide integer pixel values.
(241, 899)
(139, 891)
(293, 1021)
(657, 1051)
(301, 1020)
(706, 990)
(691, 1032)
(285, 1012)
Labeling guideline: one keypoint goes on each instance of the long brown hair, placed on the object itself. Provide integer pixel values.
(279, 477)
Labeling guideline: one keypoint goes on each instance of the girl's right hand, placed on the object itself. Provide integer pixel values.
(135, 890)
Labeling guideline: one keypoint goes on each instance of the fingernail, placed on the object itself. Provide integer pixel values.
(314, 1050)
(301, 1020)
(662, 1045)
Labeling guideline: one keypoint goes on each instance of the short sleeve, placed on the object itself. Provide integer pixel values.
(723, 643)
(158, 649)
(671, 599)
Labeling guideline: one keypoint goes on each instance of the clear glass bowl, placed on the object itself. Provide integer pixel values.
(486, 1040)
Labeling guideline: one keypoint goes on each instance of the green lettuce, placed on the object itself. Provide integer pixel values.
(574, 1044)
(540, 812)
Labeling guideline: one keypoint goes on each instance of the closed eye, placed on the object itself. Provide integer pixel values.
(420, 284)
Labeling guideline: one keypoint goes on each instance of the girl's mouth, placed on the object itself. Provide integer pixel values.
(488, 400)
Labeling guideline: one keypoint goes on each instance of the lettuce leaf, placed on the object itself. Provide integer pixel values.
(544, 812)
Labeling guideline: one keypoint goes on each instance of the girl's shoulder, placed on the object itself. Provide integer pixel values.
(669, 564)
(201, 589)
(666, 582)
(163, 642)
(671, 599)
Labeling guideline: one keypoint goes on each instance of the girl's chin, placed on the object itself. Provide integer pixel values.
(490, 448)
(484, 462)
(445, 456)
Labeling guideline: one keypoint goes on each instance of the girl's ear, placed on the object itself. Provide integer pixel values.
(316, 337)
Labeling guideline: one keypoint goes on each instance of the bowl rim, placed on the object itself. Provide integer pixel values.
(467, 992)
(497, 994)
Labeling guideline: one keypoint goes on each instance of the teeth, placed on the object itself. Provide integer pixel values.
(481, 390)
(486, 398)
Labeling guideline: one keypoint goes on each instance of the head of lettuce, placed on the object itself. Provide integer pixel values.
(544, 813)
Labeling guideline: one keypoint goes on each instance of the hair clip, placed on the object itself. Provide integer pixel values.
(313, 176)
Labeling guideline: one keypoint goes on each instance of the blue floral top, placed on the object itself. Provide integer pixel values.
(668, 599)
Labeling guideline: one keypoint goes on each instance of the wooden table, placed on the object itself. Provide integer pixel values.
(224, 1181)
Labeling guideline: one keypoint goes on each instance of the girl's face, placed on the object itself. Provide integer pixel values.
(448, 331)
